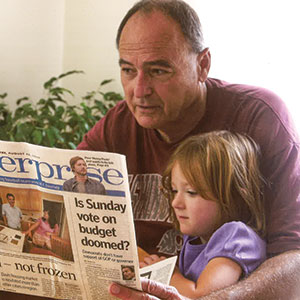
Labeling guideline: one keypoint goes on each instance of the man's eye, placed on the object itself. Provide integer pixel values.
(128, 71)
(158, 72)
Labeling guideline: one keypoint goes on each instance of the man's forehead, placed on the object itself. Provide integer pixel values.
(150, 32)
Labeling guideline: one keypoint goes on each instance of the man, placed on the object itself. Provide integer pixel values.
(12, 215)
(81, 183)
(164, 73)
(128, 272)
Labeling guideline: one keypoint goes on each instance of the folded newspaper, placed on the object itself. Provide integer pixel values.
(62, 238)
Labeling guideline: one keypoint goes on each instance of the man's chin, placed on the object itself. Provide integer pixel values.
(148, 122)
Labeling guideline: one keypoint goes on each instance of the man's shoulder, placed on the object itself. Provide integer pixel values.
(68, 184)
(248, 96)
(5, 205)
(94, 181)
(71, 180)
(243, 91)
(242, 103)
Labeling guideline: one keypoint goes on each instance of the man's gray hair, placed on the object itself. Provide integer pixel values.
(179, 11)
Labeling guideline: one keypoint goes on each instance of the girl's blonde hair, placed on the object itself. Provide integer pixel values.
(222, 166)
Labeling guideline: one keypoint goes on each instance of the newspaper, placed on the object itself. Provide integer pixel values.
(93, 240)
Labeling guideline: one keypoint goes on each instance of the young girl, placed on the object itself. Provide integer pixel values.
(44, 227)
(215, 189)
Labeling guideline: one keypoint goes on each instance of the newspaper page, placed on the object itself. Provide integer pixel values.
(89, 242)
(161, 271)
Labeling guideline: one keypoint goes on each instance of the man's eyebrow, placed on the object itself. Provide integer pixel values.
(123, 61)
(159, 62)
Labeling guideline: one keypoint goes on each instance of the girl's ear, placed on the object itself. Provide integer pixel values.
(203, 67)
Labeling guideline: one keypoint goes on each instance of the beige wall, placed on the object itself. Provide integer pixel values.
(90, 30)
(31, 51)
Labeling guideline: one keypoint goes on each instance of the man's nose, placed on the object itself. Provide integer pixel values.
(142, 86)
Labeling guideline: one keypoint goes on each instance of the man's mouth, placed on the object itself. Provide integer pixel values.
(147, 108)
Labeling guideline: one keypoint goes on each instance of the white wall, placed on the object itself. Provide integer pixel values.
(90, 31)
(255, 42)
(31, 51)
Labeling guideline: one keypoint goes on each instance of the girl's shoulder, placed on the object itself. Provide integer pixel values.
(235, 230)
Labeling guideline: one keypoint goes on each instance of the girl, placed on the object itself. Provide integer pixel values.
(215, 189)
(43, 228)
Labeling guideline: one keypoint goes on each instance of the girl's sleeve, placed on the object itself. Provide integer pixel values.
(239, 242)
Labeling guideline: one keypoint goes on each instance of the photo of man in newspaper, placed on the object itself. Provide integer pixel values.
(11, 214)
(81, 183)
(128, 272)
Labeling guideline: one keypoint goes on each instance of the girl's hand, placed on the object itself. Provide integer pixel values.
(151, 259)
(27, 232)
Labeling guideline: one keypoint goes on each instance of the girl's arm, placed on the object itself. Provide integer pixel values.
(55, 231)
(219, 273)
(32, 227)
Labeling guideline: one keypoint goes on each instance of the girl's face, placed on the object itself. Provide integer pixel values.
(196, 215)
(46, 215)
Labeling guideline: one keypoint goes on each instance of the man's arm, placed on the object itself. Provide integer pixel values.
(277, 278)
(5, 220)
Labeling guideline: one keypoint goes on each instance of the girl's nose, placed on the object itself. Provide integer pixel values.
(178, 201)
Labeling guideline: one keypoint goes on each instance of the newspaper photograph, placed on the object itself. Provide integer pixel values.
(62, 237)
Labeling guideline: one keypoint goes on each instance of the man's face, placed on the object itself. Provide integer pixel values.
(80, 168)
(159, 73)
(127, 273)
(11, 201)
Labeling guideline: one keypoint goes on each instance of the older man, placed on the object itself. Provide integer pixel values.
(169, 96)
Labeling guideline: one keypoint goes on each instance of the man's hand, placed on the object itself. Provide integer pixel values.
(151, 291)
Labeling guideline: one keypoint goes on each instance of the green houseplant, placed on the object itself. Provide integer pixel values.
(51, 121)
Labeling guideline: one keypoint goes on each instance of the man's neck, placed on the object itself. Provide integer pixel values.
(80, 178)
(175, 132)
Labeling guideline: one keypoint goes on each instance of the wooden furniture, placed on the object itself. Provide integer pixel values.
(62, 248)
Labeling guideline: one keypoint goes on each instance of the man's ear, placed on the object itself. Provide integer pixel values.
(203, 64)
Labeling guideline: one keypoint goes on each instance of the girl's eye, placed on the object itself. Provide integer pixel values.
(192, 193)
(173, 191)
